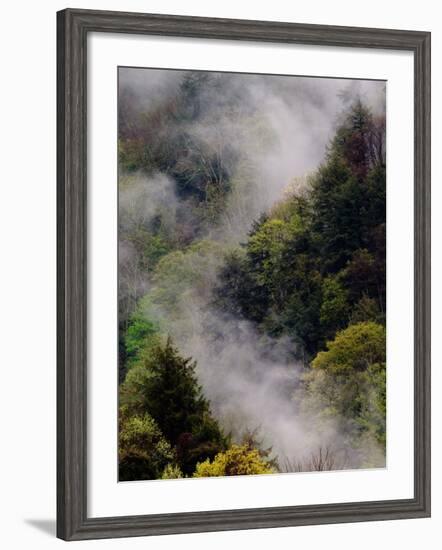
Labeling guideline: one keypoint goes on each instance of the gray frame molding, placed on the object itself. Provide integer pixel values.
(72, 28)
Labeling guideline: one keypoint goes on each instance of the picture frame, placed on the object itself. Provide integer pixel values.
(73, 28)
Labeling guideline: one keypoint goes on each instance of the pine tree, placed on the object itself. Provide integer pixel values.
(171, 394)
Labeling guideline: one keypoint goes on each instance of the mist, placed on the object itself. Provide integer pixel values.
(269, 133)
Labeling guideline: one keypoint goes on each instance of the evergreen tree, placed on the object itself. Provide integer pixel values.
(165, 386)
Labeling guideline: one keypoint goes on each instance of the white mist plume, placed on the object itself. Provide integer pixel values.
(283, 133)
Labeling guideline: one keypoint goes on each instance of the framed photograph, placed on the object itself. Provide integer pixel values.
(243, 274)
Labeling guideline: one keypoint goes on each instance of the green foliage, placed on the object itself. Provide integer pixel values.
(237, 292)
(238, 460)
(138, 334)
(353, 349)
(373, 413)
(172, 471)
(366, 309)
(185, 270)
(373, 211)
(334, 307)
(312, 269)
(172, 393)
(317, 254)
(165, 385)
(150, 247)
(180, 281)
(251, 439)
(362, 276)
(266, 247)
(347, 382)
(143, 452)
(301, 313)
(337, 198)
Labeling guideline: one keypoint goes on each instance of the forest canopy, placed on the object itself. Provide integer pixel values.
(252, 275)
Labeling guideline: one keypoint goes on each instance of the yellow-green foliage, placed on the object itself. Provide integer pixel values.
(143, 451)
(238, 460)
(354, 349)
(183, 272)
(348, 381)
(334, 302)
(172, 471)
(268, 244)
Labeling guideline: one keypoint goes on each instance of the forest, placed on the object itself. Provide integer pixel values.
(252, 274)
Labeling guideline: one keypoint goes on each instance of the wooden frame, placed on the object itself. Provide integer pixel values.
(73, 27)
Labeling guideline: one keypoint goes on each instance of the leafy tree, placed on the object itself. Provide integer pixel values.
(334, 307)
(238, 460)
(265, 249)
(251, 439)
(346, 383)
(150, 245)
(138, 333)
(366, 309)
(172, 471)
(136, 341)
(373, 413)
(353, 349)
(143, 451)
(184, 272)
(316, 254)
(311, 265)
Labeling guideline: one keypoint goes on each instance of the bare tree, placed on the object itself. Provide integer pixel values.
(324, 459)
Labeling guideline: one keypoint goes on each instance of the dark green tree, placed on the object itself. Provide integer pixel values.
(315, 255)
(165, 386)
(237, 292)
